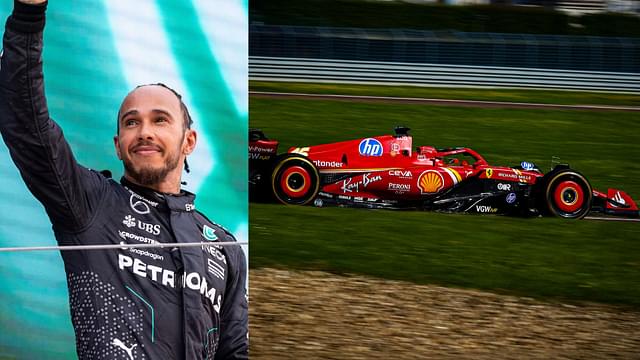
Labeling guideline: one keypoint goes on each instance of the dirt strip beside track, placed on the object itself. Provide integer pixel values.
(444, 102)
(316, 315)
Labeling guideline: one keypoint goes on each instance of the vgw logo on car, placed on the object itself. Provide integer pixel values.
(370, 147)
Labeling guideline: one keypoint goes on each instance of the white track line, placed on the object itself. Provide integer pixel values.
(458, 102)
(610, 218)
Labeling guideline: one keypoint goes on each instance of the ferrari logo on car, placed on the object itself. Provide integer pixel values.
(488, 173)
(430, 182)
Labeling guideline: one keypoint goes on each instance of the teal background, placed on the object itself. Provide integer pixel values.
(95, 52)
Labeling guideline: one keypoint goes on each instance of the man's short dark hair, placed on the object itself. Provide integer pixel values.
(188, 121)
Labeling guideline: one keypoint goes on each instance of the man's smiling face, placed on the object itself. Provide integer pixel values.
(153, 139)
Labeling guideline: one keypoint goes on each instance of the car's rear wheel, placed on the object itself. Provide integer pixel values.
(295, 180)
(568, 194)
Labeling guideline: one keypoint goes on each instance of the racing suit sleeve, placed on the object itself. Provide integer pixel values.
(36, 143)
(234, 318)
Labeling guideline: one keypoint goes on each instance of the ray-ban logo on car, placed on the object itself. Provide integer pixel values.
(208, 233)
(370, 147)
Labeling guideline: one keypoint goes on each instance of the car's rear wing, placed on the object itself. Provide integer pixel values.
(260, 147)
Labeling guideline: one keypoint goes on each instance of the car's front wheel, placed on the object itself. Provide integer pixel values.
(295, 180)
(568, 194)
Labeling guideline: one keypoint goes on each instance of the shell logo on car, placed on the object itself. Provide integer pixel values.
(430, 182)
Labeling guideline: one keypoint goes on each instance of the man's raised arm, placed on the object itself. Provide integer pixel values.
(35, 141)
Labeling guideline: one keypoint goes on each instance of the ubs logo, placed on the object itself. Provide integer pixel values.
(130, 221)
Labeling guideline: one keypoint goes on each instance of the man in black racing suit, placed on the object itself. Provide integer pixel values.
(126, 303)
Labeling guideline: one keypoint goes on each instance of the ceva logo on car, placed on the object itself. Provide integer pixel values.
(370, 147)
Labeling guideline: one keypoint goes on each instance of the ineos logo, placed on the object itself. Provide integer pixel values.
(139, 206)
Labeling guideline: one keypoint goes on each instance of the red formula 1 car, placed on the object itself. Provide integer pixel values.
(386, 172)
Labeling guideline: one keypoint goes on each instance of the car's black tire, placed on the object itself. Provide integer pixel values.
(295, 180)
(567, 194)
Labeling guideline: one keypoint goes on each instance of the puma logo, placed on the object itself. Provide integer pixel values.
(124, 347)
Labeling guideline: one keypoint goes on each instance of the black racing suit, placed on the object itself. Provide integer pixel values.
(154, 303)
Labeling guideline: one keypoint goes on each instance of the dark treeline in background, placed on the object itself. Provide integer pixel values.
(540, 18)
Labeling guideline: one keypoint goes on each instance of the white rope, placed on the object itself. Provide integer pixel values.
(119, 246)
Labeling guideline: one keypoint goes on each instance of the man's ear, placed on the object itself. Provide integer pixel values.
(190, 140)
(116, 142)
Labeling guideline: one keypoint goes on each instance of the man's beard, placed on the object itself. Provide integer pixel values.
(147, 176)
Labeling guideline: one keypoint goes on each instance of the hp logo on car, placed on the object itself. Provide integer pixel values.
(527, 165)
(370, 147)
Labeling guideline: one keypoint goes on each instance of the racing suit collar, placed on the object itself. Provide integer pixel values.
(176, 202)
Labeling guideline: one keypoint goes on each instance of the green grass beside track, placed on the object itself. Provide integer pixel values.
(548, 258)
(539, 257)
(508, 95)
